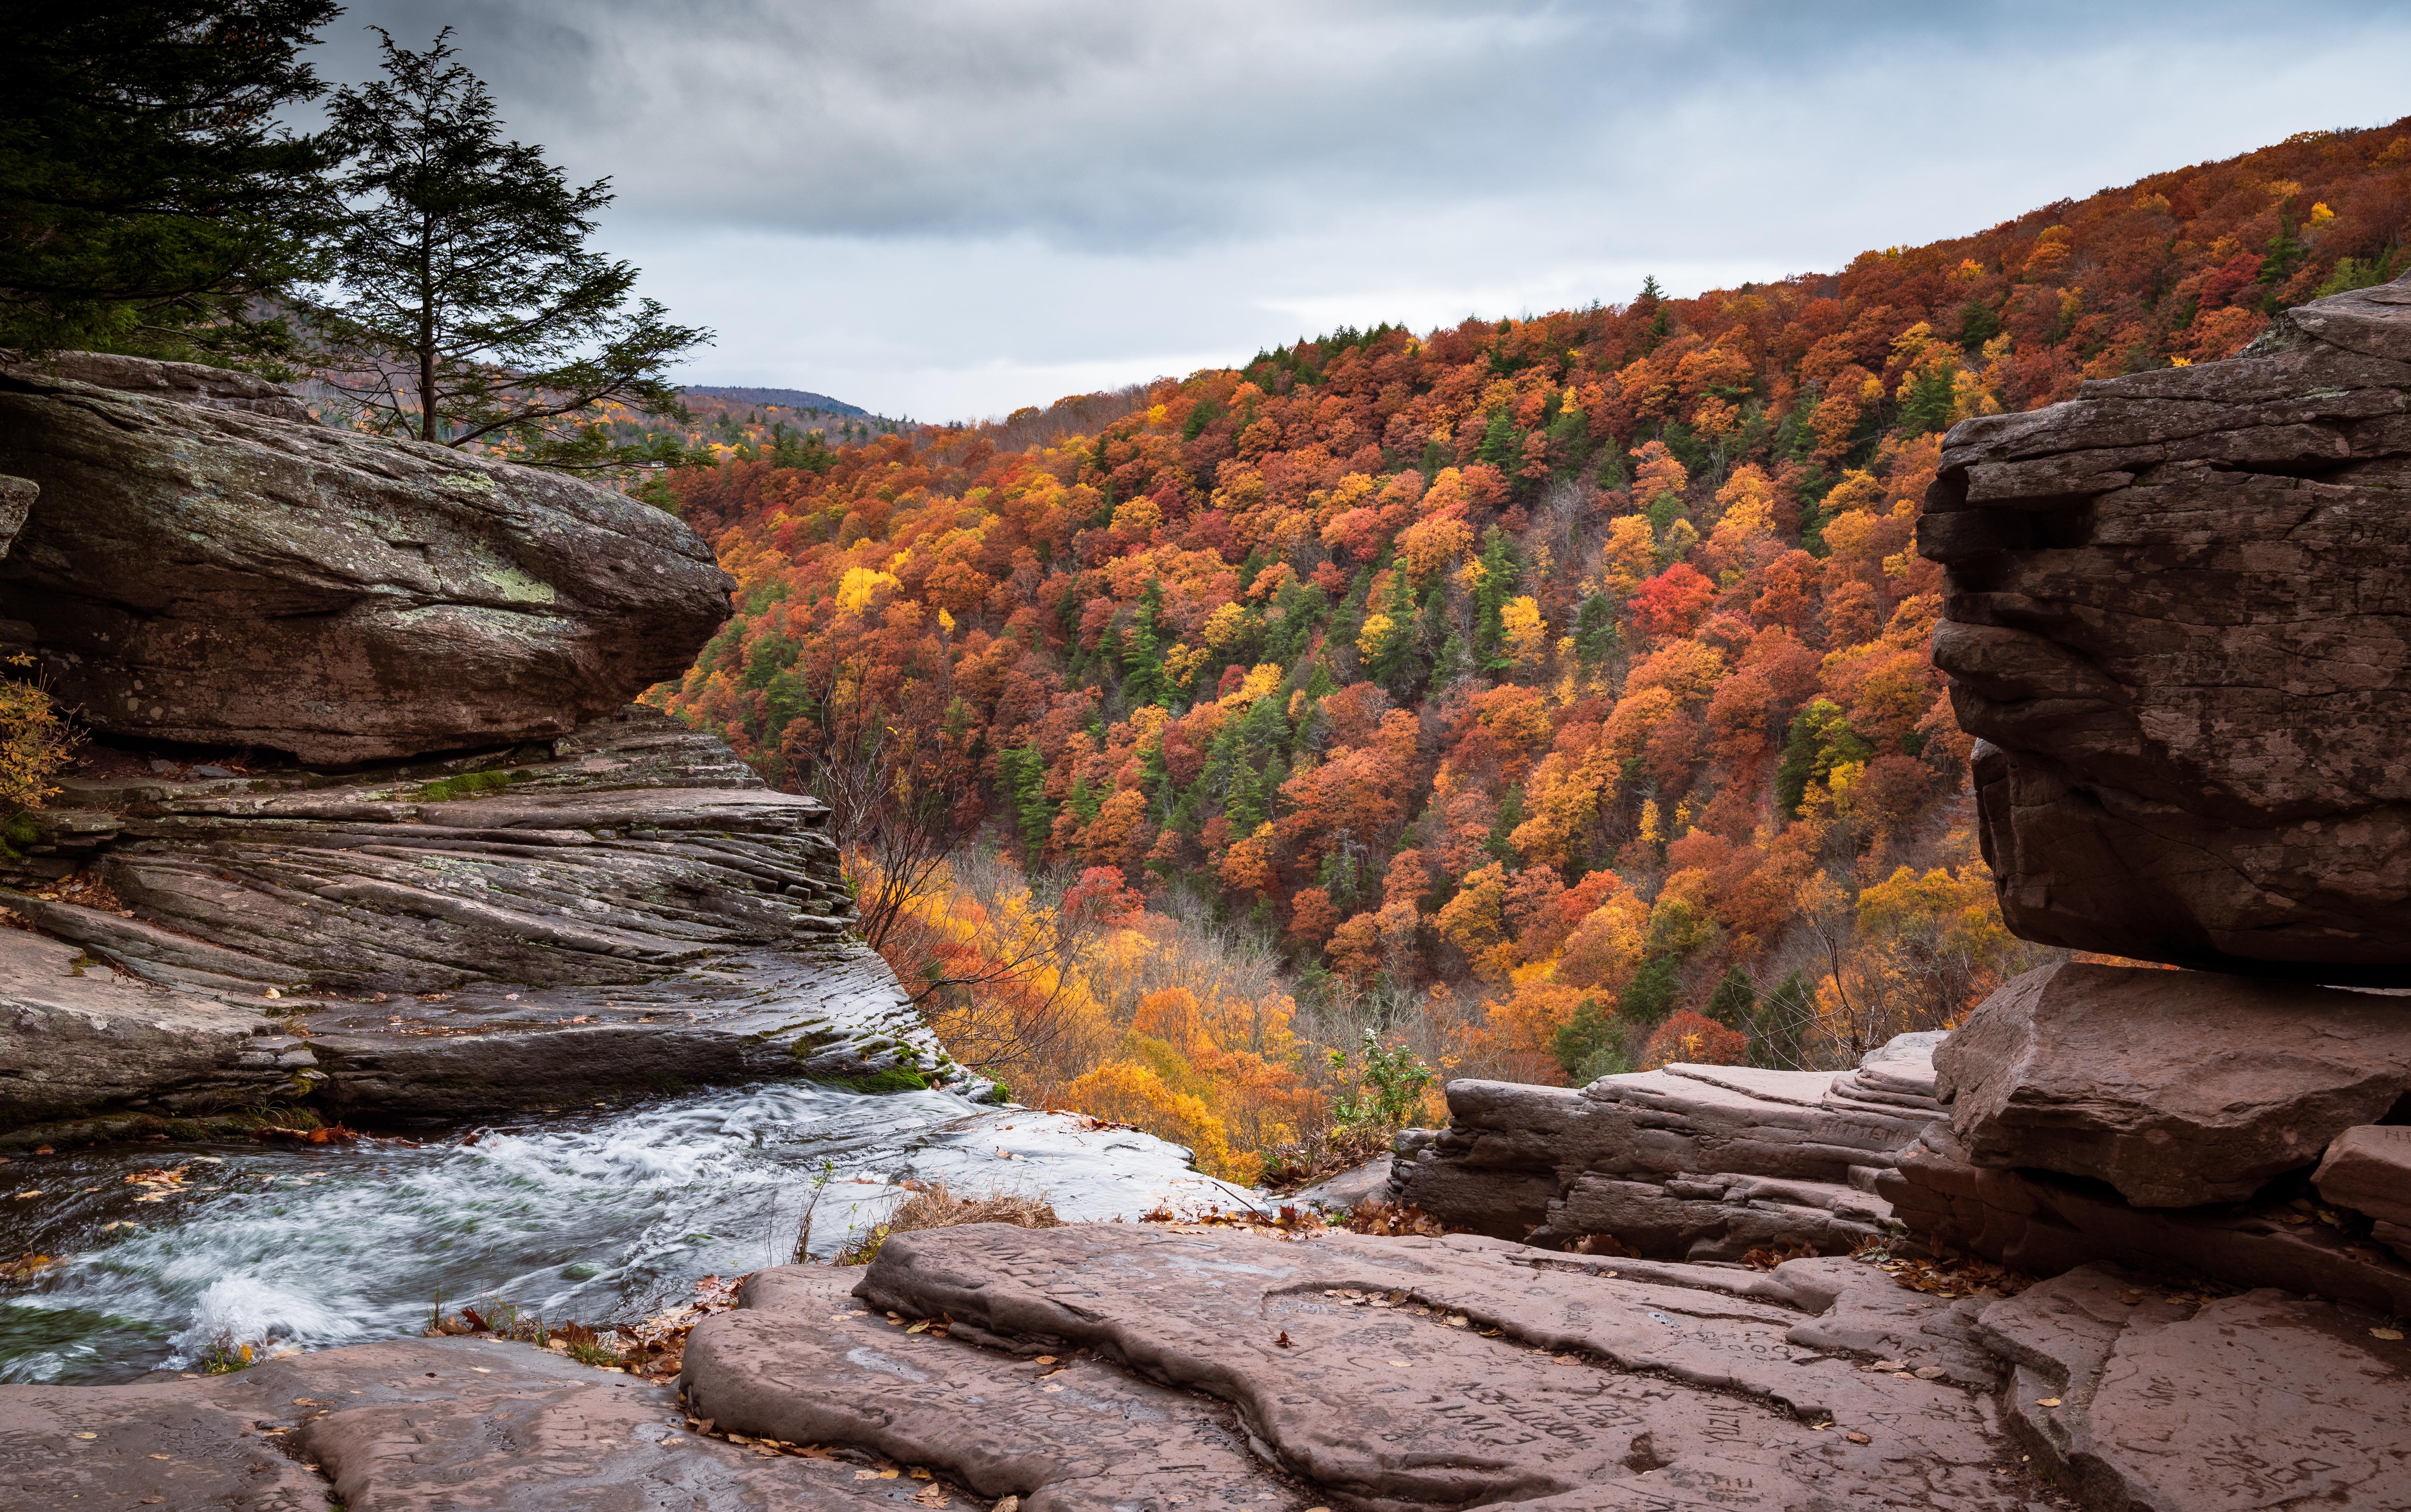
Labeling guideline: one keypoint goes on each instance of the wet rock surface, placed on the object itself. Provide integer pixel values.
(2176, 1087)
(437, 1425)
(624, 908)
(1696, 1162)
(1380, 1374)
(225, 577)
(2173, 618)
(2144, 1398)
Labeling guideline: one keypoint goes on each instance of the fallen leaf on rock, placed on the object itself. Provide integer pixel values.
(2386, 1333)
(1051, 1387)
(866, 1474)
(1283, 1341)
(2046, 1401)
(87, 1435)
(1928, 1372)
(1044, 1359)
(161, 1457)
(931, 1496)
(1857, 1438)
(1013, 1503)
(23, 1195)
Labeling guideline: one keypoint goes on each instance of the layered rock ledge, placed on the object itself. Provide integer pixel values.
(622, 908)
(1690, 1162)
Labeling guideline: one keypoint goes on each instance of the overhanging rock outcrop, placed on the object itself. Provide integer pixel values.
(196, 572)
(2178, 619)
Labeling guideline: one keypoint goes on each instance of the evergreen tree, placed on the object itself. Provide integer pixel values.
(1596, 632)
(1649, 997)
(1783, 1022)
(1499, 572)
(1590, 1045)
(1141, 663)
(465, 294)
(1397, 665)
(1733, 1000)
(1024, 774)
(148, 200)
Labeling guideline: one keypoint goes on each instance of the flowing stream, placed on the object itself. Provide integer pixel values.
(594, 1216)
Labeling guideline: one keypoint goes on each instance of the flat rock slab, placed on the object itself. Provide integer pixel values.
(2254, 1401)
(2176, 1087)
(450, 1425)
(1382, 1374)
(804, 1362)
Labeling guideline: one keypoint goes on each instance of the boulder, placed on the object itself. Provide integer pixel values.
(1350, 1188)
(2175, 1087)
(1696, 1162)
(2140, 1399)
(2369, 1170)
(2170, 619)
(218, 577)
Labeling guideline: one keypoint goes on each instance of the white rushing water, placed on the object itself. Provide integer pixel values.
(605, 1215)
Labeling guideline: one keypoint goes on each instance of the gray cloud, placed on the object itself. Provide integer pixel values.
(933, 207)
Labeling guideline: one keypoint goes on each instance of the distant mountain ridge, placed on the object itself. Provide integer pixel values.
(793, 398)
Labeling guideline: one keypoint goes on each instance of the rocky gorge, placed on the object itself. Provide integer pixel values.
(2133, 1235)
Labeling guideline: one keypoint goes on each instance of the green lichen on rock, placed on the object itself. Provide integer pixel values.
(893, 1079)
(467, 785)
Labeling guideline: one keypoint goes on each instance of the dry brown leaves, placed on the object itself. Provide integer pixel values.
(1953, 1276)
(656, 1346)
(1390, 1218)
(1767, 1259)
(1601, 1244)
(331, 1134)
(86, 890)
(27, 1268)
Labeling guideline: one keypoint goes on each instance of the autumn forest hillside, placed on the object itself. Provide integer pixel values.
(1548, 696)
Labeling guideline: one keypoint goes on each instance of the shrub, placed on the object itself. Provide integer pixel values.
(1694, 1038)
(38, 740)
(934, 1207)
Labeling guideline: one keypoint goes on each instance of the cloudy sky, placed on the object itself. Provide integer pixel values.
(948, 210)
